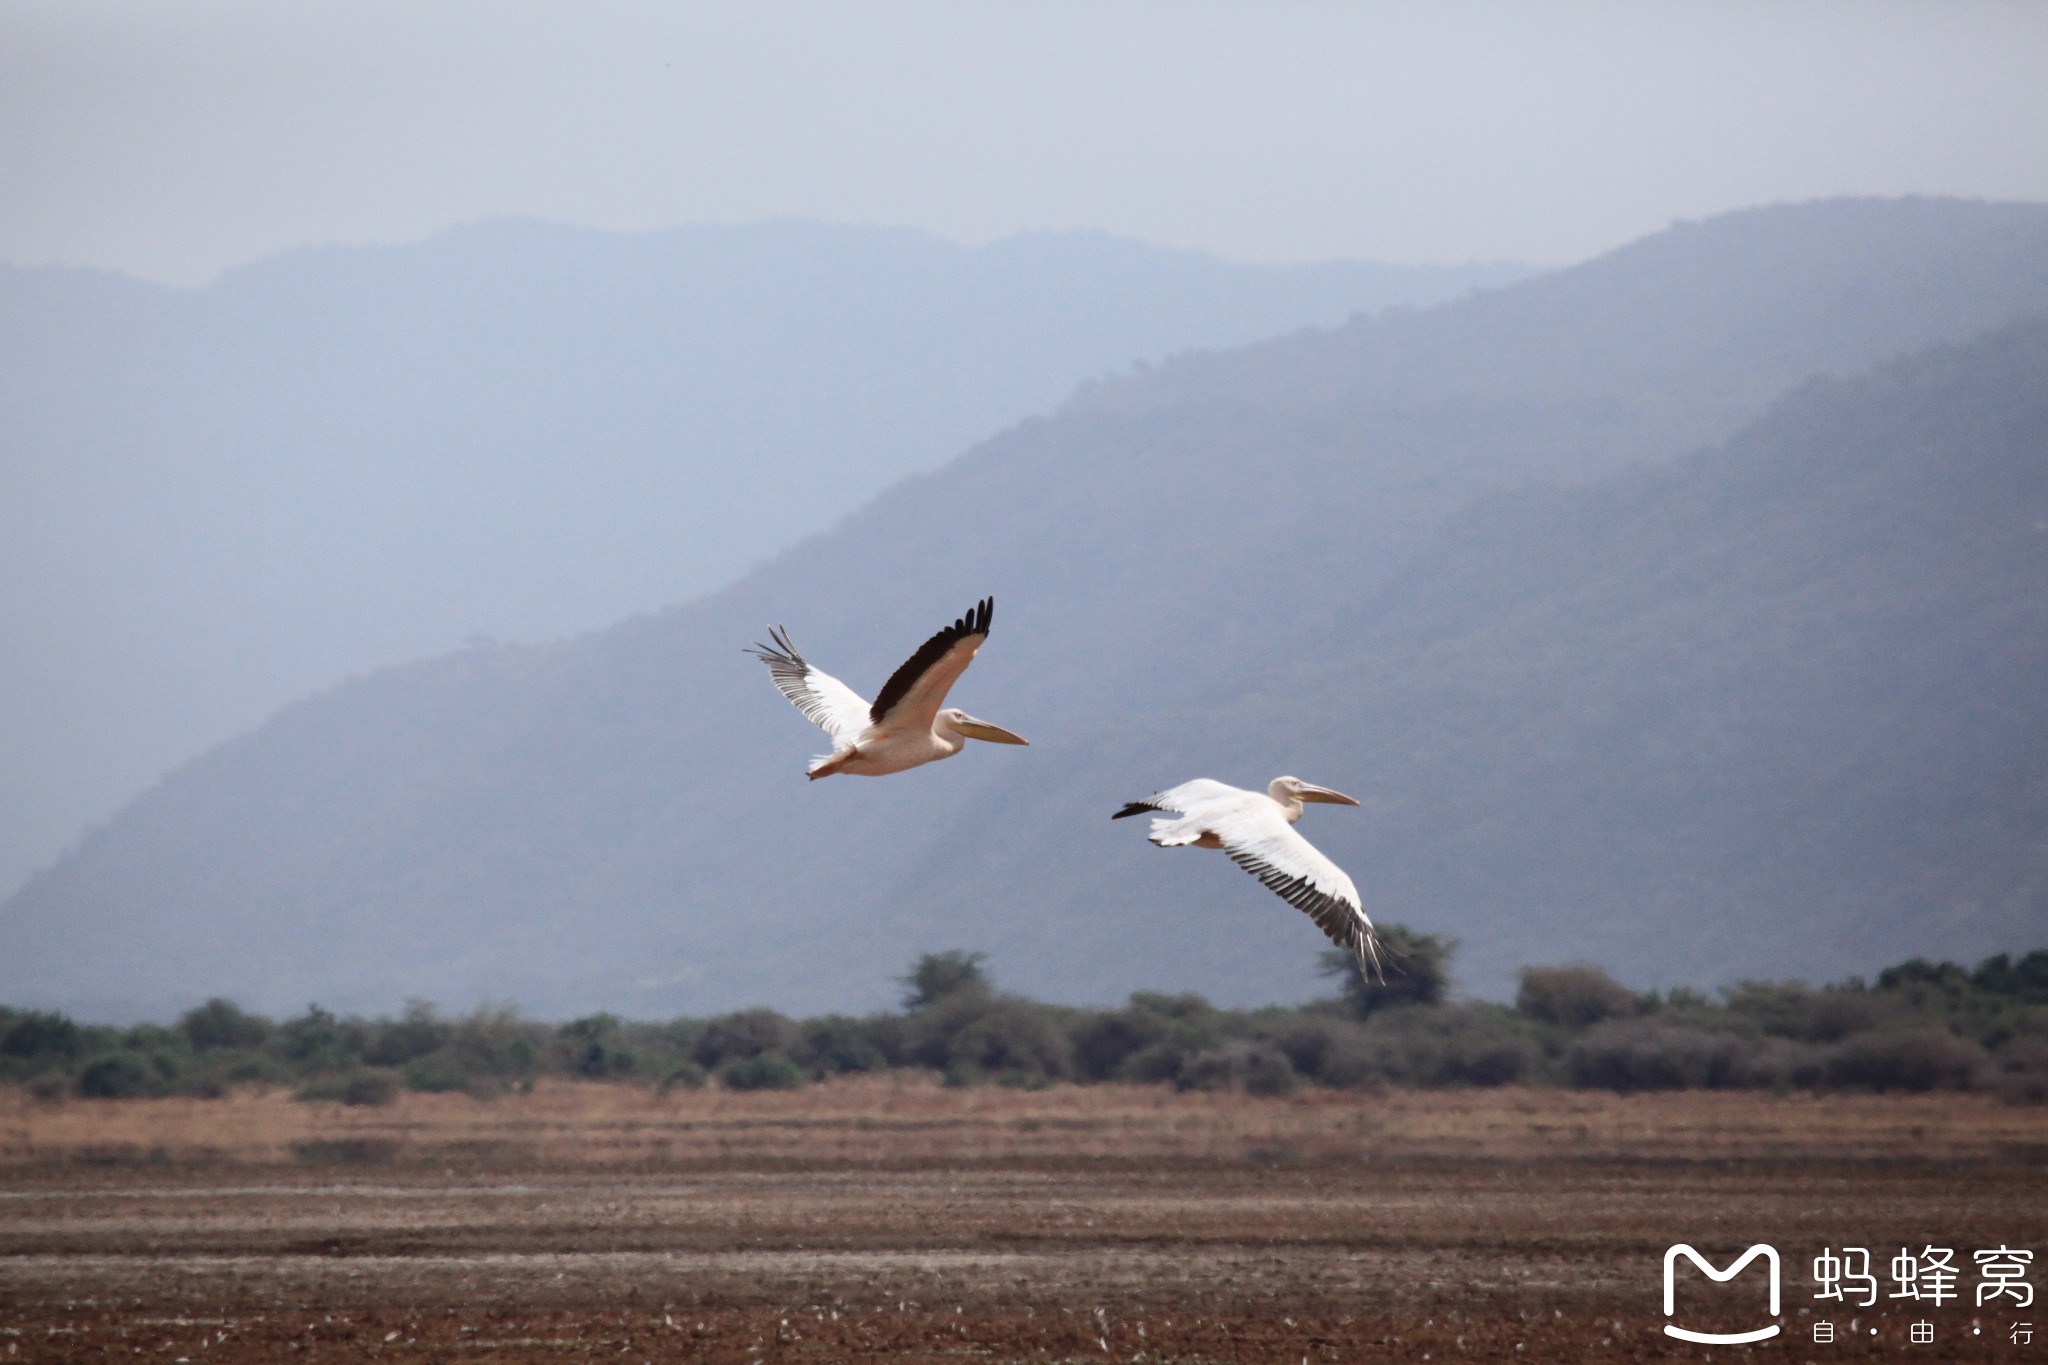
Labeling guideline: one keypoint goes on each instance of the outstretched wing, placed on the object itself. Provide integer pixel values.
(911, 699)
(1258, 839)
(1183, 800)
(825, 701)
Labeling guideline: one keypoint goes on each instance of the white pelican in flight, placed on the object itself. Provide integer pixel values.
(1257, 830)
(905, 726)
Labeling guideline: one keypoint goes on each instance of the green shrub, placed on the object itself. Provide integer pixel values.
(970, 1035)
(837, 1044)
(673, 1038)
(745, 1033)
(1014, 1037)
(419, 1031)
(762, 1071)
(2025, 980)
(1792, 1009)
(1415, 970)
(257, 1068)
(490, 1048)
(317, 1041)
(43, 1039)
(1268, 1072)
(935, 976)
(120, 1076)
(221, 1024)
(1836, 1013)
(438, 1073)
(1328, 1050)
(1575, 996)
(1240, 1064)
(1448, 1045)
(1947, 978)
(1186, 1026)
(595, 1048)
(1778, 1064)
(1924, 1026)
(890, 1033)
(1101, 1042)
(928, 1034)
(366, 1087)
(1910, 1059)
(1189, 1008)
(1628, 1055)
(1164, 1061)
(495, 1041)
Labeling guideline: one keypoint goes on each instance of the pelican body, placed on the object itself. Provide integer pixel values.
(1257, 830)
(908, 725)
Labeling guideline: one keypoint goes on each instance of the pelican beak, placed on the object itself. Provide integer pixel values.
(981, 729)
(1310, 792)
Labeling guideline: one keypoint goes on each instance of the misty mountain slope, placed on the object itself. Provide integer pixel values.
(216, 500)
(621, 821)
(1735, 301)
(1655, 349)
(1774, 710)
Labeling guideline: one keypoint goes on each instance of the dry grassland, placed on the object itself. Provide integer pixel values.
(914, 1120)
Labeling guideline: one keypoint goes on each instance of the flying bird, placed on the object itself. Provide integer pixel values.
(1257, 830)
(905, 726)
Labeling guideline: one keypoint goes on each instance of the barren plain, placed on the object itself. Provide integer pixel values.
(892, 1218)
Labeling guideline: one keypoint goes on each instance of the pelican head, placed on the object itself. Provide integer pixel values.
(962, 723)
(1292, 790)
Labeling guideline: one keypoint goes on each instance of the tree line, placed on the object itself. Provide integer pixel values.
(1918, 1026)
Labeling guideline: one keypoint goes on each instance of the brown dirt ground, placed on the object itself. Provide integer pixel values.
(892, 1220)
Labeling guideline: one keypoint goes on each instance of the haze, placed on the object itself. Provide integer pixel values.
(402, 326)
(175, 140)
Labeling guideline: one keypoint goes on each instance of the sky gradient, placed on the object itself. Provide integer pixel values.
(174, 140)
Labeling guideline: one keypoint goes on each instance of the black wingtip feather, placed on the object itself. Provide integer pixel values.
(975, 622)
(1134, 808)
(781, 652)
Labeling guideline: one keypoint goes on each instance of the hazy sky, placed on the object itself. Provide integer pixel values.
(173, 139)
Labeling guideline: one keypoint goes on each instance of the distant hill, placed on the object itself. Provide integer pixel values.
(215, 501)
(1606, 698)
(1772, 710)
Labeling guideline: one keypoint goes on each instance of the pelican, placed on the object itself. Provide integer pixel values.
(1256, 830)
(905, 727)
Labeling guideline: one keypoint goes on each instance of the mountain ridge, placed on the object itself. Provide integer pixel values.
(221, 498)
(621, 822)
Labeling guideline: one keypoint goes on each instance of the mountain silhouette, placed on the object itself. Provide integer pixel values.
(218, 500)
(1586, 585)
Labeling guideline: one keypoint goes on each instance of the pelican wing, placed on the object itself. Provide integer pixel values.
(1186, 798)
(825, 701)
(915, 692)
(1258, 839)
